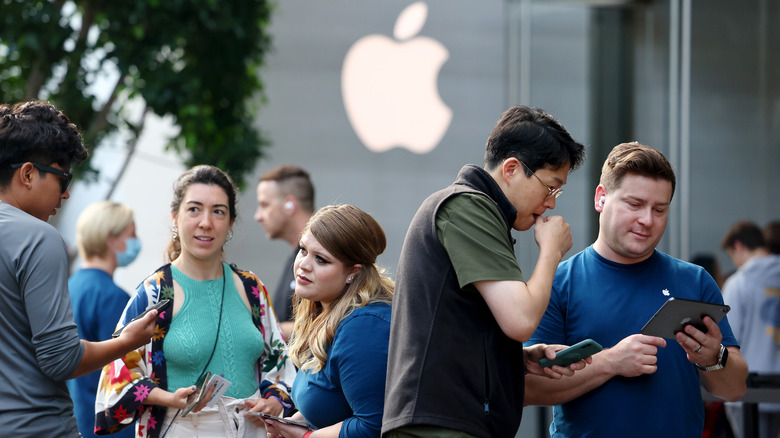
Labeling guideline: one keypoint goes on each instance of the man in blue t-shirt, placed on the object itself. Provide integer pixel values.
(638, 386)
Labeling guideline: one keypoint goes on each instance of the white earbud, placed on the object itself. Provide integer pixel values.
(601, 201)
(288, 205)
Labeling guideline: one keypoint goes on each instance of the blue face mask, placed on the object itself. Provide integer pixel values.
(132, 248)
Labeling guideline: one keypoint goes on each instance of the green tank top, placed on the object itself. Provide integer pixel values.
(193, 331)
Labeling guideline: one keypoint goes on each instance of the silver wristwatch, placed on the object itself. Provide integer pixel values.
(723, 356)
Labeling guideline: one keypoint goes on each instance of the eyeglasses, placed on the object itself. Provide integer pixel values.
(64, 182)
(554, 193)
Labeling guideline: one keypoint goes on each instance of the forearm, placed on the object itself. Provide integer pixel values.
(543, 391)
(517, 306)
(98, 354)
(328, 432)
(161, 397)
(540, 285)
(730, 382)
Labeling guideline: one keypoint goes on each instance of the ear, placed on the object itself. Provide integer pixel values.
(598, 204)
(510, 167)
(290, 204)
(354, 270)
(25, 175)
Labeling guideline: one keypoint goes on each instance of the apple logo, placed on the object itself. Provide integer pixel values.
(389, 87)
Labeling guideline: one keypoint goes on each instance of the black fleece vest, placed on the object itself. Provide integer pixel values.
(449, 364)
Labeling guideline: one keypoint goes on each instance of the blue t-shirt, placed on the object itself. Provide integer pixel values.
(97, 306)
(595, 298)
(351, 386)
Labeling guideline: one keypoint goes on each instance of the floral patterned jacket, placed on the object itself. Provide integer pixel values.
(125, 383)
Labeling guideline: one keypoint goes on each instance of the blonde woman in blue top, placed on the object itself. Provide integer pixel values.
(342, 327)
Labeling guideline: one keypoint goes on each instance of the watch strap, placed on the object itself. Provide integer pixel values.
(723, 356)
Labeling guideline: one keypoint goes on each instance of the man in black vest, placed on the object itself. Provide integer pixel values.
(461, 308)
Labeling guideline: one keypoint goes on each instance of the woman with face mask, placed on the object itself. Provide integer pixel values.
(105, 235)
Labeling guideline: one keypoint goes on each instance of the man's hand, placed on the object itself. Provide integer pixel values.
(138, 333)
(535, 353)
(635, 355)
(702, 348)
(553, 233)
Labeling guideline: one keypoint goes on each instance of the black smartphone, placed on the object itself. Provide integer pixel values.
(575, 353)
(161, 306)
(279, 419)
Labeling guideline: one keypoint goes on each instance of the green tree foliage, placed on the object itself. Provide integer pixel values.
(196, 60)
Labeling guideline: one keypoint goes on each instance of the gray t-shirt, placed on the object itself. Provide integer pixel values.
(39, 346)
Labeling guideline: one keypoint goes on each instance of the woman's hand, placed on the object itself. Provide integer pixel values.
(176, 400)
(270, 406)
(278, 429)
(202, 402)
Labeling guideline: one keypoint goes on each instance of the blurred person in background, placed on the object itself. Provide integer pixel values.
(285, 203)
(772, 237)
(106, 239)
(753, 292)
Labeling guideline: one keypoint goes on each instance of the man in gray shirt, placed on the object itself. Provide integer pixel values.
(40, 348)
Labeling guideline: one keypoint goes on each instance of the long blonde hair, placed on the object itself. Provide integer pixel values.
(353, 237)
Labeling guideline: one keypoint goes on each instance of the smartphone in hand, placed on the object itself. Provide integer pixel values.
(161, 306)
(575, 353)
(202, 384)
(279, 419)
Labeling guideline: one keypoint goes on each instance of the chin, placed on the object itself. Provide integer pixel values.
(523, 226)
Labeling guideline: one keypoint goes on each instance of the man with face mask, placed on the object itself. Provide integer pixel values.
(105, 235)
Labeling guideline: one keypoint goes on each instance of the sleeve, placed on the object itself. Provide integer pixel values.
(713, 294)
(476, 238)
(44, 285)
(359, 364)
(126, 382)
(731, 296)
(276, 371)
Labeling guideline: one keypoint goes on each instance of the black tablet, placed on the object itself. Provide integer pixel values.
(676, 313)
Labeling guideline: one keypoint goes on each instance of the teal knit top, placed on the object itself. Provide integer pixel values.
(193, 333)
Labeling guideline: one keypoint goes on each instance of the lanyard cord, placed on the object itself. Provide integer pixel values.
(202, 373)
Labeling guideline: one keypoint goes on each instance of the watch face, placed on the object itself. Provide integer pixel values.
(723, 356)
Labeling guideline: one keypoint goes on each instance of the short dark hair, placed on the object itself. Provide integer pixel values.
(635, 159)
(772, 236)
(534, 137)
(293, 180)
(745, 232)
(36, 131)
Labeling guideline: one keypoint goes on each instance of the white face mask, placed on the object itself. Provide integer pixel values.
(132, 248)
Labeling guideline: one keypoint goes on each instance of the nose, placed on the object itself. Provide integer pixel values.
(259, 215)
(303, 262)
(645, 217)
(205, 221)
(549, 202)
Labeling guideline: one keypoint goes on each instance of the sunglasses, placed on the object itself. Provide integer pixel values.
(64, 182)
